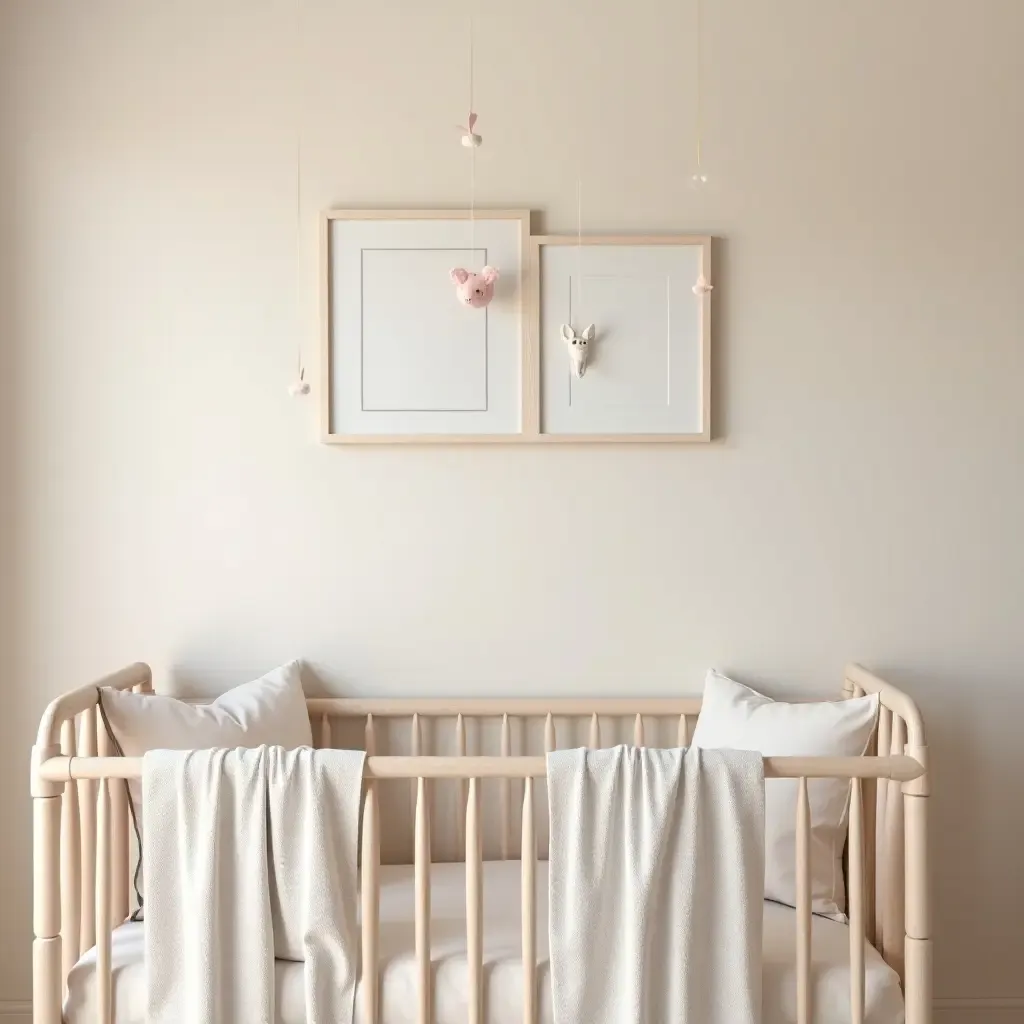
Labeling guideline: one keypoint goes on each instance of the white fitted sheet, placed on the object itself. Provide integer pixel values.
(502, 969)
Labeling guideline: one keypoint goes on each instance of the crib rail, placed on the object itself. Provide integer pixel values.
(83, 854)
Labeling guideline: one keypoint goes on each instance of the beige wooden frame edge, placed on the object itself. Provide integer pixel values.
(529, 403)
(537, 242)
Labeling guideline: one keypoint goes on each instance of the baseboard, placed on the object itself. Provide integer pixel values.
(993, 1010)
(12, 1012)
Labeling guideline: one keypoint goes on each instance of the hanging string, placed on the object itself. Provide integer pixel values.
(699, 177)
(578, 318)
(300, 386)
(472, 151)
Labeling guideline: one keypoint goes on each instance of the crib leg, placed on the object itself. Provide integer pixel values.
(918, 943)
(47, 984)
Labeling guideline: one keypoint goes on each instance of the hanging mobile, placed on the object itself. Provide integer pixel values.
(300, 386)
(473, 289)
(469, 138)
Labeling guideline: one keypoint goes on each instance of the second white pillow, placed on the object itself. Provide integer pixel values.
(733, 715)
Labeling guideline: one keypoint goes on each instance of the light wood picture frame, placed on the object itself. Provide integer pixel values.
(376, 260)
(651, 382)
(644, 261)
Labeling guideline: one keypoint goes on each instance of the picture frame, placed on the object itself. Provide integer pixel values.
(403, 363)
(389, 376)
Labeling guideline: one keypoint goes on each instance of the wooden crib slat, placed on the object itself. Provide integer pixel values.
(638, 731)
(683, 732)
(460, 817)
(550, 737)
(505, 788)
(87, 813)
(370, 737)
(893, 933)
(595, 732)
(856, 908)
(474, 904)
(118, 838)
(881, 806)
(529, 885)
(103, 851)
(803, 905)
(70, 860)
(326, 741)
(416, 749)
(370, 895)
(422, 863)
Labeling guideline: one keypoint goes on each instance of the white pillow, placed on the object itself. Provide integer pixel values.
(733, 715)
(270, 710)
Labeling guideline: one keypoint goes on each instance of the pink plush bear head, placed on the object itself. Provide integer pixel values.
(474, 290)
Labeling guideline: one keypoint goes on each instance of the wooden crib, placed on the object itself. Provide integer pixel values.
(84, 844)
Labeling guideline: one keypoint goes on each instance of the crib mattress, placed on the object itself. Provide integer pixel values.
(502, 970)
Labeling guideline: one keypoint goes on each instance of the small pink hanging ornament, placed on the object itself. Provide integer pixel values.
(469, 138)
(703, 286)
(475, 290)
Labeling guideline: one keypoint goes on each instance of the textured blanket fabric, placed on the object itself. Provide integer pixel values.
(250, 855)
(656, 886)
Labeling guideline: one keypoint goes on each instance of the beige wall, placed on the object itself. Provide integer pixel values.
(164, 498)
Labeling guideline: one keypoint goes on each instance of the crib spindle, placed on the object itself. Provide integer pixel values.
(326, 741)
(416, 749)
(683, 732)
(70, 860)
(103, 851)
(370, 895)
(881, 830)
(855, 910)
(550, 737)
(505, 790)
(529, 883)
(474, 904)
(595, 732)
(460, 750)
(893, 931)
(118, 838)
(422, 863)
(87, 813)
(638, 731)
(803, 905)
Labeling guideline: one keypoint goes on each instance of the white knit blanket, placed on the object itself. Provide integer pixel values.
(656, 878)
(250, 854)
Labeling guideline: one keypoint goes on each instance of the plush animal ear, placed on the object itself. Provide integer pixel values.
(568, 334)
(489, 275)
(459, 276)
(588, 334)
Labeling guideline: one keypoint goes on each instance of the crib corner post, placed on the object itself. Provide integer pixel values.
(918, 948)
(370, 894)
(47, 984)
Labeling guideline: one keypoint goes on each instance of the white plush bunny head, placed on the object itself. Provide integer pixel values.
(578, 345)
